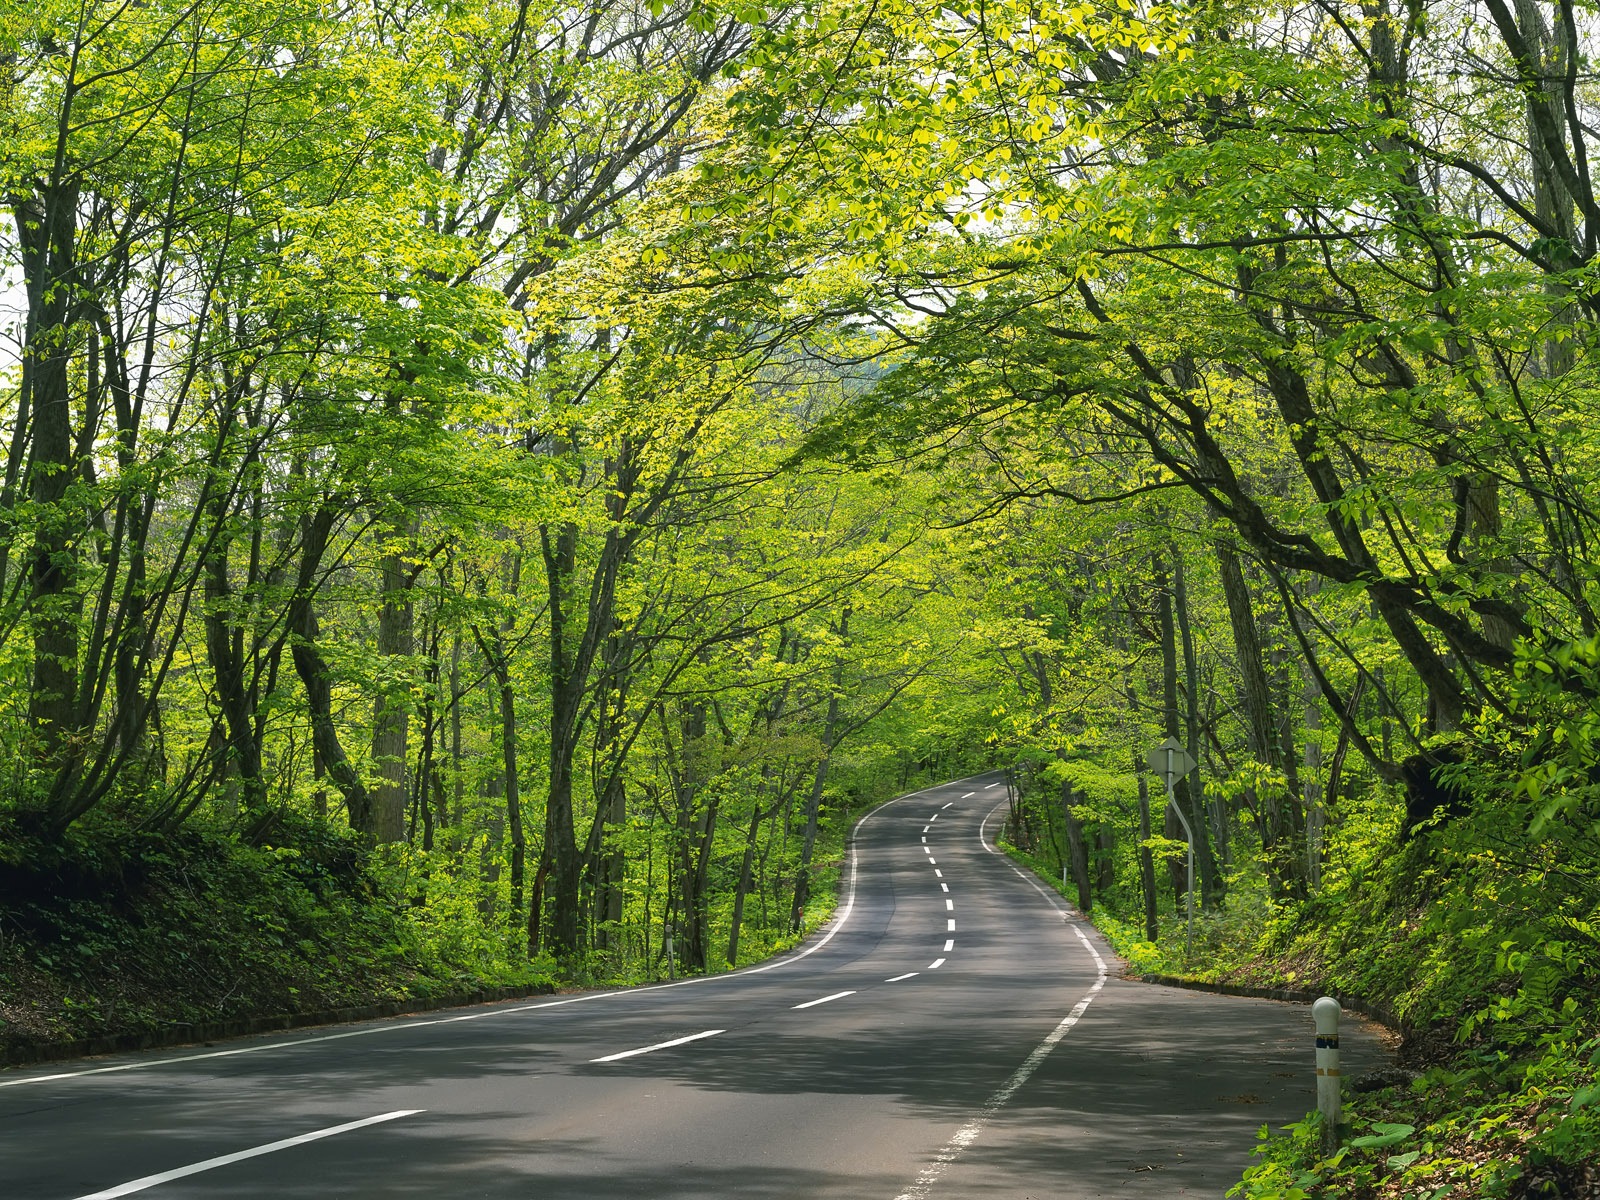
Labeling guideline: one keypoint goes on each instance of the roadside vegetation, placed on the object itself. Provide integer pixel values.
(490, 489)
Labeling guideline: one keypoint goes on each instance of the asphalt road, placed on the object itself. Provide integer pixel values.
(955, 1032)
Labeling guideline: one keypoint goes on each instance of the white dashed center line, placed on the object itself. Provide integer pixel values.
(693, 1037)
(949, 904)
(990, 785)
(944, 887)
(935, 817)
(907, 975)
(938, 874)
(931, 859)
(150, 1181)
(950, 945)
(925, 829)
(936, 964)
(950, 925)
(824, 1000)
(964, 795)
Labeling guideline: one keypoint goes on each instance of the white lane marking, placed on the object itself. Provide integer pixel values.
(969, 1132)
(938, 874)
(693, 1037)
(944, 887)
(150, 1181)
(824, 1000)
(837, 924)
(933, 818)
(936, 964)
(1018, 873)
(987, 786)
(950, 925)
(949, 945)
(924, 839)
(982, 840)
(949, 905)
(931, 860)
(964, 795)
(907, 975)
(925, 829)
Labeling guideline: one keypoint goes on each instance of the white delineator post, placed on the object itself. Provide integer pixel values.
(1325, 1013)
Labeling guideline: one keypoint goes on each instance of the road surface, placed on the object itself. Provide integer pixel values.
(956, 1031)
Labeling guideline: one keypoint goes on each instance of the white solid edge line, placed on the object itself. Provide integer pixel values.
(936, 964)
(969, 1132)
(836, 925)
(693, 1037)
(982, 838)
(824, 1000)
(907, 975)
(949, 945)
(150, 1181)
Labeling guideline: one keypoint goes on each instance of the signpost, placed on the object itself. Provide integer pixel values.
(1171, 761)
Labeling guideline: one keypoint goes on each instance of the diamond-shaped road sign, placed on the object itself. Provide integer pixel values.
(1170, 758)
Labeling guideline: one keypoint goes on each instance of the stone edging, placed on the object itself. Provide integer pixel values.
(20, 1053)
(1377, 1012)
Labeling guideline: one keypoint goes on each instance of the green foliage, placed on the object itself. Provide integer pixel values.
(111, 934)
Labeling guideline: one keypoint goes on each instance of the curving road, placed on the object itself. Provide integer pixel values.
(955, 1032)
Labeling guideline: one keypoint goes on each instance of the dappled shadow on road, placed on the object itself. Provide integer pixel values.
(1155, 1093)
(453, 1160)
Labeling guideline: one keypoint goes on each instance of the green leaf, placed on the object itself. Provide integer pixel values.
(1384, 1134)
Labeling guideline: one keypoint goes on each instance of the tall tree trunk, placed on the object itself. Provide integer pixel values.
(391, 716)
(46, 234)
(1077, 849)
(742, 888)
(1211, 885)
(458, 776)
(315, 676)
(569, 676)
(225, 650)
(802, 882)
(1147, 866)
(1256, 699)
(508, 753)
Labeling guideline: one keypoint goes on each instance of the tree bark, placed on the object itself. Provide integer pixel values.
(1077, 850)
(391, 716)
(1147, 866)
(46, 234)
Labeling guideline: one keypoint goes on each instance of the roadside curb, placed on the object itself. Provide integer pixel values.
(24, 1052)
(1376, 1012)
